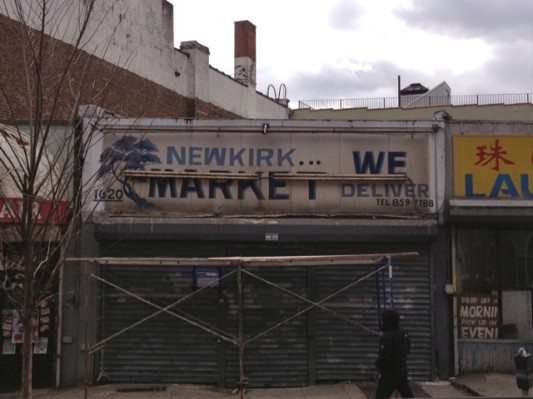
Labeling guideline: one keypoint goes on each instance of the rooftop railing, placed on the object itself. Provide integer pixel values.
(414, 102)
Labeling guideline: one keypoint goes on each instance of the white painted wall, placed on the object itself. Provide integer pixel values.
(182, 66)
(242, 100)
(439, 95)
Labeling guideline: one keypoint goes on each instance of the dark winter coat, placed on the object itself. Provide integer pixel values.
(394, 346)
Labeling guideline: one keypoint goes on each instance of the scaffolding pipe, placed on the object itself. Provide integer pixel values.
(391, 283)
(314, 304)
(86, 325)
(142, 174)
(182, 318)
(241, 383)
(378, 293)
(286, 320)
(100, 344)
(240, 263)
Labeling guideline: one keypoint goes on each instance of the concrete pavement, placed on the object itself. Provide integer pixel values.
(174, 391)
(488, 385)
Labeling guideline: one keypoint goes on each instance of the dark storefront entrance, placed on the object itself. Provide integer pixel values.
(44, 337)
(313, 347)
(11, 349)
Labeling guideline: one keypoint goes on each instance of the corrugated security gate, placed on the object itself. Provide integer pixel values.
(346, 353)
(164, 348)
(312, 347)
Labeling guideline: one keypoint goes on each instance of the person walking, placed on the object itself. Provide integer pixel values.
(394, 346)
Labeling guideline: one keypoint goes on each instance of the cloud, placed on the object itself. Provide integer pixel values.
(333, 81)
(511, 68)
(345, 15)
(492, 20)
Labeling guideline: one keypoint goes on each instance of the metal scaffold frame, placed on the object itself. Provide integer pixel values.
(385, 293)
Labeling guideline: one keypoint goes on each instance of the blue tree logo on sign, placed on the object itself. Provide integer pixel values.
(128, 153)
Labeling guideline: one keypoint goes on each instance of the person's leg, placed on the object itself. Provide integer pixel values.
(384, 389)
(405, 389)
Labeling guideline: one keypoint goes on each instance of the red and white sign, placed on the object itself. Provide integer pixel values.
(43, 211)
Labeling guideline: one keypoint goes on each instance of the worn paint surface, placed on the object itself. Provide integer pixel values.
(495, 356)
(267, 156)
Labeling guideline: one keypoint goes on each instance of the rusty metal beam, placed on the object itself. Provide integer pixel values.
(141, 174)
(341, 177)
(266, 261)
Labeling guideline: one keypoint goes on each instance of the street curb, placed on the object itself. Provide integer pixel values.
(465, 388)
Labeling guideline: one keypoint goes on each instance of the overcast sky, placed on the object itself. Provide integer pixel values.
(324, 49)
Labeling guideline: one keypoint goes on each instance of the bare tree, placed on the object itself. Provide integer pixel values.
(43, 146)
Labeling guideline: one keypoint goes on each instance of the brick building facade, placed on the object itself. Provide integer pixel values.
(188, 88)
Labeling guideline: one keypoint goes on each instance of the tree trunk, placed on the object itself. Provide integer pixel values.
(28, 316)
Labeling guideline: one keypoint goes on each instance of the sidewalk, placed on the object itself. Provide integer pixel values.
(174, 391)
(491, 384)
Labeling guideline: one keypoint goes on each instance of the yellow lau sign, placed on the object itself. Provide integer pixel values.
(493, 166)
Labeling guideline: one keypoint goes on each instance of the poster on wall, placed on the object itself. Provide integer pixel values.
(477, 316)
(13, 331)
(8, 347)
(17, 336)
(206, 276)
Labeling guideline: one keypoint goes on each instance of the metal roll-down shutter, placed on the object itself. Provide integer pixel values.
(279, 358)
(344, 352)
(163, 348)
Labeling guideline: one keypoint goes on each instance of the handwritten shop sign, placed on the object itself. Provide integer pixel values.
(245, 173)
(493, 166)
(478, 316)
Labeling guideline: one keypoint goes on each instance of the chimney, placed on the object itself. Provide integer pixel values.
(245, 53)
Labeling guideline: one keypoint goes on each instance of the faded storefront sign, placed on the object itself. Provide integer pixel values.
(478, 316)
(232, 173)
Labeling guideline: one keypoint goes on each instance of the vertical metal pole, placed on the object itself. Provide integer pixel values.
(101, 296)
(86, 295)
(241, 329)
(399, 90)
(59, 326)
(383, 288)
(378, 295)
(391, 282)
(453, 235)
(500, 278)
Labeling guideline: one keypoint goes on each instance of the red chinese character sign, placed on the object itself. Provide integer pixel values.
(492, 157)
(493, 166)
